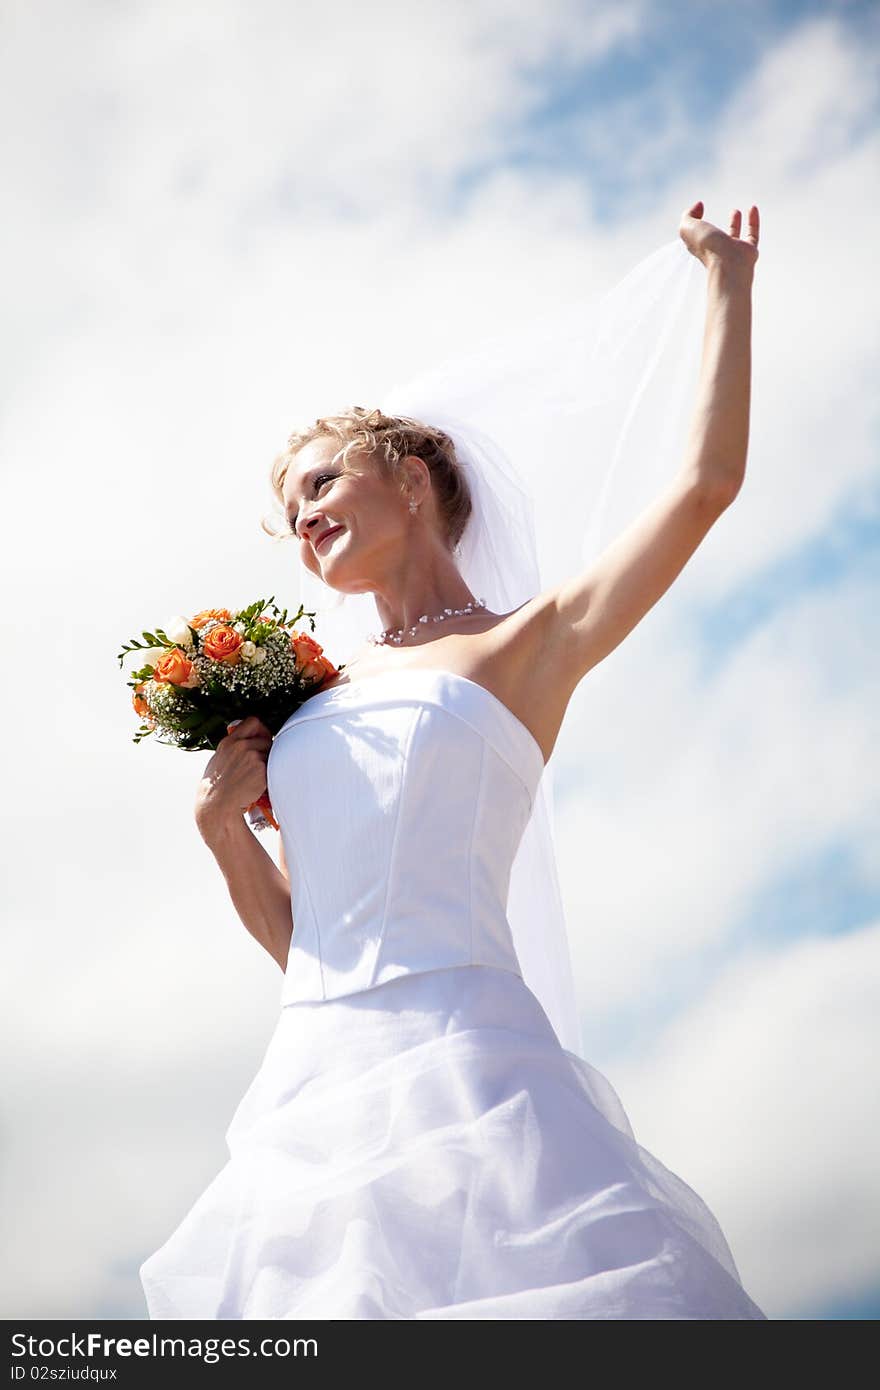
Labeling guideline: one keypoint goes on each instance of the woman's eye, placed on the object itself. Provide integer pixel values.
(320, 479)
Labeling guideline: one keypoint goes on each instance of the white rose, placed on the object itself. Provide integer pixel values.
(247, 650)
(259, 655)
(151, 657)
(240, 627)
(178, 630)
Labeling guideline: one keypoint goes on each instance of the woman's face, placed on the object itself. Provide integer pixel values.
(363, 515)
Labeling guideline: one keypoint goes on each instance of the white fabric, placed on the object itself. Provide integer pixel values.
(590, 406)
(416, 1142)
(420, 880)
(497, 556)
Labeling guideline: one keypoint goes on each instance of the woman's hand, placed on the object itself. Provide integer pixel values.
(235, 776)
(708, 243)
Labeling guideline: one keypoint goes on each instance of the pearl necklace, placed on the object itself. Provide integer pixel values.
(395, 635)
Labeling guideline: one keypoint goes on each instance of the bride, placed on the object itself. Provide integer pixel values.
(423, 1138)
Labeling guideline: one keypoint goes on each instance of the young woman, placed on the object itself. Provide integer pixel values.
(422, 1139)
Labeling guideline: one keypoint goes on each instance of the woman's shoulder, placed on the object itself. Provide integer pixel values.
(485, 644)
(510, 654)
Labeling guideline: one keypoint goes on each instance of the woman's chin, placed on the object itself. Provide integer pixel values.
(337, 574)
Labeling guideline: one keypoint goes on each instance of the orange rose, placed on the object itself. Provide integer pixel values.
(207, 615)
(309, 661)
(222, 644)
(329, 669)
(140, 705)
(175, 668)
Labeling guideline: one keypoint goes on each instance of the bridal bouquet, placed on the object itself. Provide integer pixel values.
(198, 676)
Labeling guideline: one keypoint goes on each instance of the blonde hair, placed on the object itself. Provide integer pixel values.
(389, 439)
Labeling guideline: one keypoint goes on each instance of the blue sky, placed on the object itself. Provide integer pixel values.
(224, 221)
(679, 67)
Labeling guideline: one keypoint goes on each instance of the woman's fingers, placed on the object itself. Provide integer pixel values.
(247, 728)
(708, 242)
(753, 223)
(251, 732)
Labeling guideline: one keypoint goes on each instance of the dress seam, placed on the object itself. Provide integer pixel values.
(305, 883)
(470, 851)
(392, 854)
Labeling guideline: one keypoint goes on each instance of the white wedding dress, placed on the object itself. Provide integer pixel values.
(416, 1142)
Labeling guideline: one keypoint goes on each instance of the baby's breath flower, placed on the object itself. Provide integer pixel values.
(267, 669)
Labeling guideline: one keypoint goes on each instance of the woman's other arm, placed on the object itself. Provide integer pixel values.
(260, 892)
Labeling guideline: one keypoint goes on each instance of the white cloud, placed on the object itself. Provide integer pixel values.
(762, 1096)
(684, 798)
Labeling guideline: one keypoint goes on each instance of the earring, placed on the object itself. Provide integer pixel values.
(413, 505)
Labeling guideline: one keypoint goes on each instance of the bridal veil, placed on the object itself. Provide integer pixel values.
(592, 402)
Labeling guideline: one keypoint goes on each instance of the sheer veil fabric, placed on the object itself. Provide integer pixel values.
(594, 401)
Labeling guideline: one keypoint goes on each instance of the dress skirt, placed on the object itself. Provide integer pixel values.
(427, 1149)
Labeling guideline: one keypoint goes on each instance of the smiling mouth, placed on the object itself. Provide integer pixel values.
(328, 536)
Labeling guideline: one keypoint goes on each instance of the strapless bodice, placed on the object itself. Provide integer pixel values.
(401, 799)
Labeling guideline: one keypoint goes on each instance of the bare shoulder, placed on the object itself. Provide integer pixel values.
(517, 659)
(535, 657)
(515, 656)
